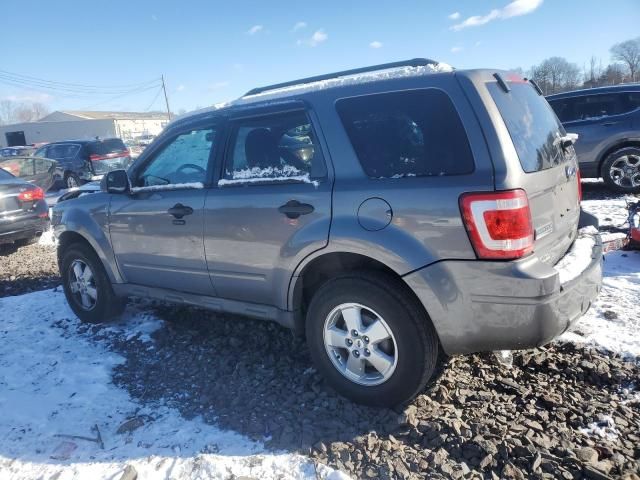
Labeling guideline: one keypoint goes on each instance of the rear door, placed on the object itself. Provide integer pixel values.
(536, 161)
(271, 207)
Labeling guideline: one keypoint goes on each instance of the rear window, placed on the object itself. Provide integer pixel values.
(105, 147)
(4, 175)
(532, 124)
(407, 134)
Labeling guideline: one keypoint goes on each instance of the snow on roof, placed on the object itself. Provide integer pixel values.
(373, 76)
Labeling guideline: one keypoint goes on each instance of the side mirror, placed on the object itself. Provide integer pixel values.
(116, 181)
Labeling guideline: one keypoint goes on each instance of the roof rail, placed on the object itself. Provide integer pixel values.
(414, 62)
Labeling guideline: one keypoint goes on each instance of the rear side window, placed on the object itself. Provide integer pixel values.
(407, 134)
(105, 147)
(532, 124)
(274, 148)
(63, 150)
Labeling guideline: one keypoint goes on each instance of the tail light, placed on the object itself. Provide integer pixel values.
(96, 158)
(579, 179)
(31, 195)
(499, 223)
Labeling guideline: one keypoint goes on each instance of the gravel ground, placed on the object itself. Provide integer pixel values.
(26, 269)
(558, 412)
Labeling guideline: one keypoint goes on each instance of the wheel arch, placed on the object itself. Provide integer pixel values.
(619, 145)
(329, 265)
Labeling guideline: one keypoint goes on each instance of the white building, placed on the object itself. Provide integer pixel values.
(76, 125)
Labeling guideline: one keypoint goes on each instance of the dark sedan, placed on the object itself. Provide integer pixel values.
(24, 214)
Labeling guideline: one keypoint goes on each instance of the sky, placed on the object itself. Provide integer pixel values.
(213, 51)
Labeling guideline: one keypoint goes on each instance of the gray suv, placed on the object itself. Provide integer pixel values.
(607, 121)
(393, 215)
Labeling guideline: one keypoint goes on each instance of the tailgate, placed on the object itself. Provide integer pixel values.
(546, 164)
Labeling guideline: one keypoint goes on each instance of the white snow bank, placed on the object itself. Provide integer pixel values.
(605, 428)
(56, 381)
(578, 258)
(47, 239)
(169, 186)
(613, 321)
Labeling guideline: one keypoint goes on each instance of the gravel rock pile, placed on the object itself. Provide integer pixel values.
(27, 269)
(559, 412)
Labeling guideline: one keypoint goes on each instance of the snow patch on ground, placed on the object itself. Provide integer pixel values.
(605, 428)
(613, 321)
(48, 239)
(56, 384)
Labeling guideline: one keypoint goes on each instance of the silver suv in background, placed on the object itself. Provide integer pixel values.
(390, 214)
(607, 120)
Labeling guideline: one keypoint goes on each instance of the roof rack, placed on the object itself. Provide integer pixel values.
(414, 62)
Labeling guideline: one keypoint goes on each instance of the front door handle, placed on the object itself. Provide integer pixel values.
(609, 124)
(179, 210)
(293, 209)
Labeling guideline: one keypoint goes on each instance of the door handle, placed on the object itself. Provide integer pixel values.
(609, 124)
(293, 209)
(179, 210)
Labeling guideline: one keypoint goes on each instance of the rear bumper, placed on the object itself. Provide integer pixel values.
(483, 306)
(21, 229)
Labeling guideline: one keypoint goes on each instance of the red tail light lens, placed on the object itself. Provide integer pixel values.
(579, 179)
(31, 195)
(96, 158)
(499, 223)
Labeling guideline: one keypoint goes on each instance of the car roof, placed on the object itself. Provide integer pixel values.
(81, 142)
(625, 87)
(297, 91)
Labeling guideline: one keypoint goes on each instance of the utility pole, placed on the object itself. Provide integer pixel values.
(166, 99)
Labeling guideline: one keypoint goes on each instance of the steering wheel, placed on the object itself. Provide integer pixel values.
(186, 166)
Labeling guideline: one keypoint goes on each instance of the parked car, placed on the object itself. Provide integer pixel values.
(144, 140)
(16, 151)
(81, 161)
(607, 120)
(35, 170)
(391, 214)
(24, 214)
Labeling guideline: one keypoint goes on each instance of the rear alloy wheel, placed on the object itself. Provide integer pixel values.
(370, 339)
(621, 170)
(86, 285)
(72, 180)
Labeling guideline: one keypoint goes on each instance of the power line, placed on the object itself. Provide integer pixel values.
(74, 87)
(119, 96)
(154, 99)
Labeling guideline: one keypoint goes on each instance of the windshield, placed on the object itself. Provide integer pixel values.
(532, 124)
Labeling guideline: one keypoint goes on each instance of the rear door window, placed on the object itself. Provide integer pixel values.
(407, 134)
(591, 107)
(63, 151)
(532, 125)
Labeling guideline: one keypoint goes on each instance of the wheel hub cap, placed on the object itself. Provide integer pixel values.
(625, 171)
(360, 344)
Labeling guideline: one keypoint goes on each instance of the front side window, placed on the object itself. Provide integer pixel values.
(274, 148)
(407, 134)
(63, 150)
(184, 160)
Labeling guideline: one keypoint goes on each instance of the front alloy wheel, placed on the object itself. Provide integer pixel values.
(82, 285)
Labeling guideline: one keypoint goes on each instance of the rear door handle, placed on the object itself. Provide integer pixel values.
(179, 210)
(293, 209)
(609, 124)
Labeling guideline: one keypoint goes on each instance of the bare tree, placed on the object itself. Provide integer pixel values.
(17, 112)
(555, 74)
(612, 75)
(628, 52)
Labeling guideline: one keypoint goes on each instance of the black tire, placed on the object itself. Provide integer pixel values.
(107, 305)
(416, 339)
(615, 159)
(71, 180)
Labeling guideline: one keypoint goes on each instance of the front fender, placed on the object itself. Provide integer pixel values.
(87, 216)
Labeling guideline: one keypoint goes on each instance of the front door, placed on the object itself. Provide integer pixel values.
(272, 207)
(157, 230)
